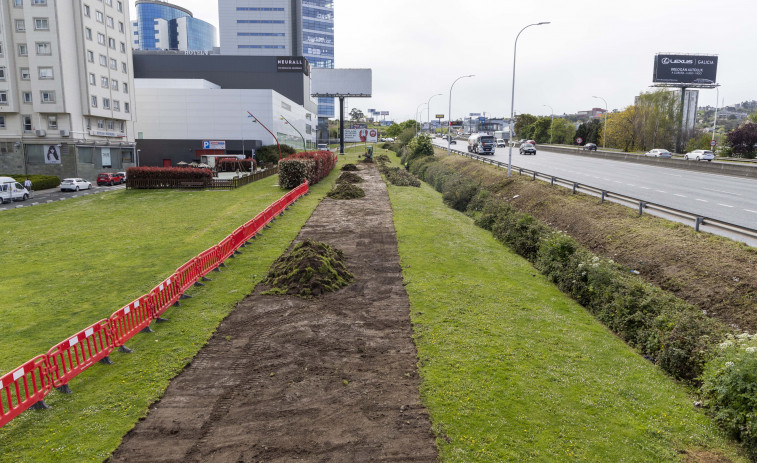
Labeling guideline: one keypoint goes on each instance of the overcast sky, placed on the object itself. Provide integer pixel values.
(417, 48)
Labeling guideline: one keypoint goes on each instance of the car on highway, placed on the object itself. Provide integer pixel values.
(501, 142)
(532, 142)
(74, 184)
(699, 155)
(659, 153)
(527, 148)
(107, 178)
(590, 147)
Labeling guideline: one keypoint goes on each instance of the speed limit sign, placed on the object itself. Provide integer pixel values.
(713, 143)
(579, 140)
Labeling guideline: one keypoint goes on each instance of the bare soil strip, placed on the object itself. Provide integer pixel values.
(288, 379)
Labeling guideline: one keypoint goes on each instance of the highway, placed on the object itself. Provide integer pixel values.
(730, 199)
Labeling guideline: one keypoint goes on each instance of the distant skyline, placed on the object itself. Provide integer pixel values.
(591, 48)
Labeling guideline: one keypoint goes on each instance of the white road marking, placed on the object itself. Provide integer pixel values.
(630, 184)
(721, 191)
(644, 188)
(702, 200)
(749, 210)
(724, 205)
(659, 191)
(680, 196)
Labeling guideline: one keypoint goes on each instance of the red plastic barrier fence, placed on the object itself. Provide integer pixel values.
(207, 261)
(225, 248)
(164, 296)
(187, 275)
(130, 320)
(23, 387)
(79, 352)
(237, 237)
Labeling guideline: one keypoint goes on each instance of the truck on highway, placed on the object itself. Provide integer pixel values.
(481, 143)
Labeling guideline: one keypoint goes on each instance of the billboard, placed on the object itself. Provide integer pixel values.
(475, 114)
(341, 82)
(292, 64)
(685, 69)
(384, 113)
(360, 135)
(440, 116)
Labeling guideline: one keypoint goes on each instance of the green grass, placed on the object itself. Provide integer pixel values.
(82, 259)
(513, 370)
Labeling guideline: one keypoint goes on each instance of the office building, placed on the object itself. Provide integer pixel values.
(163, 26)
(282, 28)
(66, 87)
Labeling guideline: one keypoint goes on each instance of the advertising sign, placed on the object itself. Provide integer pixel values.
(439, 116)
(52, 154)
(214, 144)
(685, 69)
(105, 156)
(292, 64)
(482, 119)
(360, 135)
(475, 114)
(384, 113)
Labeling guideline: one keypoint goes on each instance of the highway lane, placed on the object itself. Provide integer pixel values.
(730, 199)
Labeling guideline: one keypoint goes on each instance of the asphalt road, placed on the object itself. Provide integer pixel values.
(729, 199)
(52, 195)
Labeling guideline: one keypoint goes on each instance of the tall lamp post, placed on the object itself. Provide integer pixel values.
(417, 112)
(304, 147)
(255, 119)
(604, 135)
(715, 121)
(512, 97)
(428, 110)
(551, 121)
(449, 116)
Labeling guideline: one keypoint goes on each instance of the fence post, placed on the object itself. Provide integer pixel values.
(553, 181)
(534, 177)
(642, 205)
(575, 187)
(604, 194)
(699, 221)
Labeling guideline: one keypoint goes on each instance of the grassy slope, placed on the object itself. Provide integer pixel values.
(83, 259)
(513, 369)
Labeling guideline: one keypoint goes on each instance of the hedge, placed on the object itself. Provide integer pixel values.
(270, 154)
(316, 165)
(169, 173)
(39, 182)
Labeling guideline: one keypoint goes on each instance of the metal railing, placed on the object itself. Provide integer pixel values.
(697, 220)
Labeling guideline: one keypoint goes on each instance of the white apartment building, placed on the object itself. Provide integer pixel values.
(66, 87)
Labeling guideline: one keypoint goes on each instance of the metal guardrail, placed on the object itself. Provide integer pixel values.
(697, 219)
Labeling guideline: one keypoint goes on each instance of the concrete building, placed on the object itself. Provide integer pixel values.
(163, 26)
(66, 87)
(282, 28)
(190, 105)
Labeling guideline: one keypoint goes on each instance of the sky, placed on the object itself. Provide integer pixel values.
(605, 48)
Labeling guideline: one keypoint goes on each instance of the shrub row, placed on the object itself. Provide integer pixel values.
(677, 336)
(312, 165)
(169, 173)
(400, 177)
(270, 154)
(39, 182)
(232, 164)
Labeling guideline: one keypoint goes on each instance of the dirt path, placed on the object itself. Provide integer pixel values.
(285, 379)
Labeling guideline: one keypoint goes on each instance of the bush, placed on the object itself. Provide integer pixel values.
(270, 154)
(458, 191)
(293, 172)
(39, 182)
(169, 173)
(419, 147)
(729, 389)
(317, 165)
(400, 177)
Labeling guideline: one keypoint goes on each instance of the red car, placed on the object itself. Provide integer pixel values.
(108, 179)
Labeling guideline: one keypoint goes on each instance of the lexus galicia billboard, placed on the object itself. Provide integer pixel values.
(685, 69)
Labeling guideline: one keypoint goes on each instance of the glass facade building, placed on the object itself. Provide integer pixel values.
(318, 43)
(163, 26)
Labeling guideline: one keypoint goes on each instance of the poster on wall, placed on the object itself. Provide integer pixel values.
(52, 154)
(105, 156)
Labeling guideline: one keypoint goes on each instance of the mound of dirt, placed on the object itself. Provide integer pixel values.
(310, 269)
(349, 177)
(349, 167)
(346, 191)
(382, 159)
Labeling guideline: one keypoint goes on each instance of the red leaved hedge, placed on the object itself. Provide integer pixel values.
(169, 173)
(322, 164)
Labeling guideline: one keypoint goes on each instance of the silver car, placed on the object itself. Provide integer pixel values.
(74, 184)
(700, 155)
(659, 153)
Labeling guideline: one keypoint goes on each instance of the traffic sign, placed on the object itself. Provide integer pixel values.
(713, 143)
(579, 140)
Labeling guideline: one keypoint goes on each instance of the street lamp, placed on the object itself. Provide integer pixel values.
(417, 112)
(551, 121)
(255, 119)
(428, 110)
(512, 97)
(286, 121)
(604, 135)
(449, 116)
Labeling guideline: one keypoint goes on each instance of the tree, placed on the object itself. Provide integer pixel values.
(409, 124)
(753, 117)
(563, 131)
(589, 131)
(699, 142)
(356, 114)
(620, 131)
(406, 135)
(743, 140)
(522, 122)
(393, 130)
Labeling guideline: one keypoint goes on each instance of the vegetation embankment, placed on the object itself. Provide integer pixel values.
(39, 182)
(515, 370)
(84, 258)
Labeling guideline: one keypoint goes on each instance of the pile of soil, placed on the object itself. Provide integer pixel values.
(716, 274)
(346, 191)
(382, 159)
(349, 177)
(349, 167)
(310, 269)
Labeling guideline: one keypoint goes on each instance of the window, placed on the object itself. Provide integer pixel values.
(20, 25)
(126, 107)
(126, 87)
(1, 49)
(100, 124)
(123, 47)
(3, 97)
(90, 56)
(26, 122)
(92, 78)
(123, 67)
(86, 11)
(89, 123)
(112, 43)
(103, 82)
(48, 96)
(120, 27)
(111, 125)
(119, 6)
(114, 84)
(2, 122)
(106, 103)
(109, 2)
(45, 73)
(88, 33)
(99, 16)
(43, 48)
(109, 22)
(103, 60)
(93, 101)
(113, 64)
(25, 74)
(52, 122)
(101, 38)
(41, 24)
(39, 2)
(2, 72)
(121, 127)
(116, 105)
(27, 97)
(18, 3)
(22, 50)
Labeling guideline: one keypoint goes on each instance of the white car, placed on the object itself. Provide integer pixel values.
(700, 155)
(659, 153)
(74, 184)
(501, 142)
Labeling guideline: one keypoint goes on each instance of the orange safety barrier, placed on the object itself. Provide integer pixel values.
(187, 275)
(24, 387)
(130, 320)
(164, 296)
(207, 261)
(79, 352)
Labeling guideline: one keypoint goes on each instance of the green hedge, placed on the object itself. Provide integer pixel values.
(39, 182)
(269, 154)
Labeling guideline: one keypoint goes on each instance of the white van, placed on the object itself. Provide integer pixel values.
(11, 190)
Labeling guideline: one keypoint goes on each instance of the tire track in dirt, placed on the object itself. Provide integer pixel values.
(289, 379)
